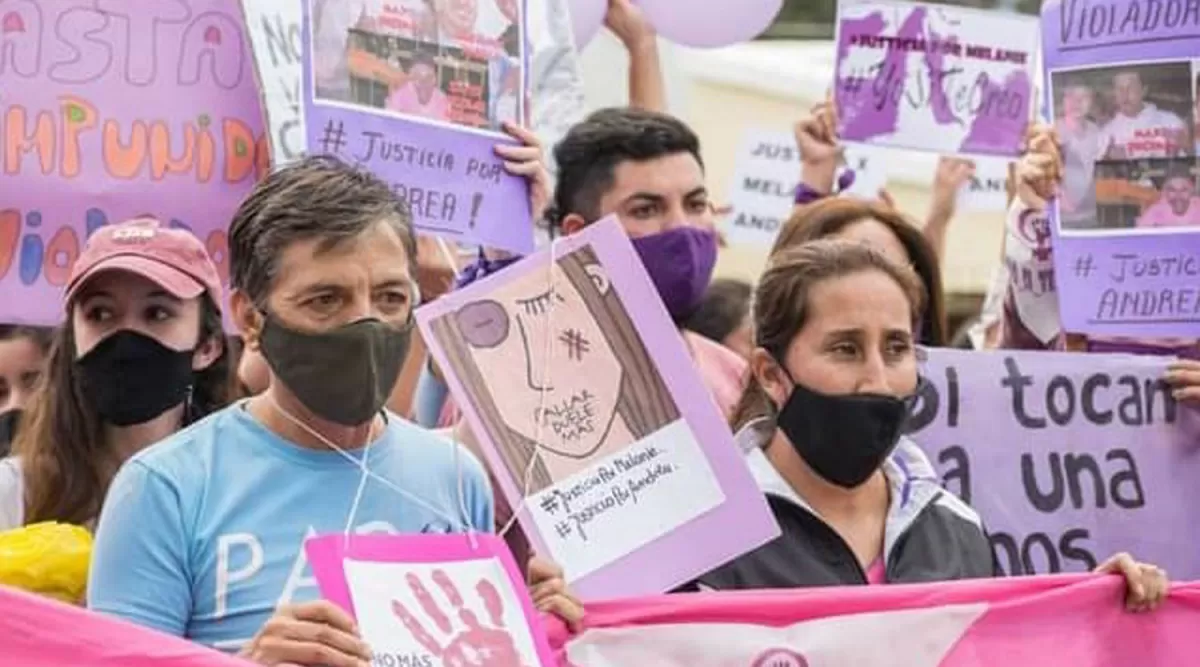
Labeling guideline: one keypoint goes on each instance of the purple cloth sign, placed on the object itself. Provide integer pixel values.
(1123, 80)
(1068, 458)
(418, 95)
(934, 78)
(594, 419)
(113, 110)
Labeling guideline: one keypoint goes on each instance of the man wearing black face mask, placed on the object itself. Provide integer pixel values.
(203, 535)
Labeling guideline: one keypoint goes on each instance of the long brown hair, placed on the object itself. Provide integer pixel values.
(61, 446)
(781, 309)
(828, 217)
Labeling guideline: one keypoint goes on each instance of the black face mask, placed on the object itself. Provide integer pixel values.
(845, 438)
(131, 378)
(9, 423)
(344, 375)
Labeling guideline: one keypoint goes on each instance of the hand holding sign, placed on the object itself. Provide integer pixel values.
(550, 594)
(314, 633)
(526, 160)
(820, 150)
(1146, 584)
(1184, 378)
(1039, 170)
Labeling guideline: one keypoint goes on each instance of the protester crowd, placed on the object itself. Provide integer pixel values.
(201, 462)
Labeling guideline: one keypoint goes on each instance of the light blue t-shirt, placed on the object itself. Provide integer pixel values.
(202, 535)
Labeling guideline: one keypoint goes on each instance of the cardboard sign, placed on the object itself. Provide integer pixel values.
(763, 191)
(595, 422)
(274, 29)
(1068, 458)
(934, 77)
(1122, 91)
(418, 94)
(140, 108)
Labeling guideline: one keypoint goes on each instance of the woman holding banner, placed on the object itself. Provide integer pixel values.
(834, 378)
(141, 355)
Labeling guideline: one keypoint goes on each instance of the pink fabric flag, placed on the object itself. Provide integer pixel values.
(1032, 622)
(37, 632)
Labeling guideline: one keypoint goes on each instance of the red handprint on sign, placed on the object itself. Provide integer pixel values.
(471, 646)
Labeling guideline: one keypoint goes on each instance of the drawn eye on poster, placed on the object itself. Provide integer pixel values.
(593, 418)
(1122, 95)
(933, 77)
(418, 91)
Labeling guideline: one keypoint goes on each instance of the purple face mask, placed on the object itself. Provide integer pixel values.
(680, 261)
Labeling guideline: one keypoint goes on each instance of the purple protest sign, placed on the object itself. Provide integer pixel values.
(417, 92)
(1123, 80)
(934, 77)
(594, 420)
(114, 110)
(1068, 458)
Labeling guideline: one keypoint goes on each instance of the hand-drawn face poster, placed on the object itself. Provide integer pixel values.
(934, 77)
(1123, 79)
(115, 110)
(418, 92)
(594, 419)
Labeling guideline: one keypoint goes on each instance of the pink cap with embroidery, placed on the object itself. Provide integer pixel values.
(173, 259)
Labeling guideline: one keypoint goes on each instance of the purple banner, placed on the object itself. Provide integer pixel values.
(112, 110)
(1122, 90)
(1068, 458)
(418, 95)
(933, 77)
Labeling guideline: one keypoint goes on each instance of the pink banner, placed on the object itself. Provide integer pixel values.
(36, 632)
(1033, 622)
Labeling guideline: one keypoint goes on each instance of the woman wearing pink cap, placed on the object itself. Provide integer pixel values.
(140, 355)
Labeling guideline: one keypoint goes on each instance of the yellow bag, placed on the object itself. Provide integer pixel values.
(48, 558)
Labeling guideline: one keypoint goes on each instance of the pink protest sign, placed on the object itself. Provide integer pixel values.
(594, 419)
(1033, 622)
(114, 109)
(37, 632)
(432, 599)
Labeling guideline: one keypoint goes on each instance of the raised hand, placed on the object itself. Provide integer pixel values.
(527, 160)
(820, 150)
(628, 23)
(470, 645)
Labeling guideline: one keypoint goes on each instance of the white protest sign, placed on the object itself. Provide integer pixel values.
(767, 170)
(274, 28)
(985, 192)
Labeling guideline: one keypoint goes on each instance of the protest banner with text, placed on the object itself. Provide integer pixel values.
(597, 427)
(419, 95)
(274, 29)
(1068, 458)
(767, 170)
(113, 110)
(1123, 80)
(934, 77)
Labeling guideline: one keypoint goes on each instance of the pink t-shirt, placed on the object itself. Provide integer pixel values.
(404, 100)
(877, 573)
(723, 371)
(1160, 214)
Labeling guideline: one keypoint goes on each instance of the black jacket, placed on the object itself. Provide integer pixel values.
(930, 534)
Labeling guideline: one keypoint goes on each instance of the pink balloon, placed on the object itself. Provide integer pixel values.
(586, 18)
(712, 23)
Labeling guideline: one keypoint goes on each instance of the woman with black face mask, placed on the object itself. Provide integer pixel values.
(140, 355)
(834, 376)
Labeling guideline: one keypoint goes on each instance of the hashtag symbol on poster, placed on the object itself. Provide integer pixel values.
(576, 344)
(334, 139)
(550, 504)
(563, 529)
(1084, 266)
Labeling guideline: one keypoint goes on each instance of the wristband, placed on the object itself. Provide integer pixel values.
(807, 195)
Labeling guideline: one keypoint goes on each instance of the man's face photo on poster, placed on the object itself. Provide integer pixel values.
(1121, 128)
(427, 60)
